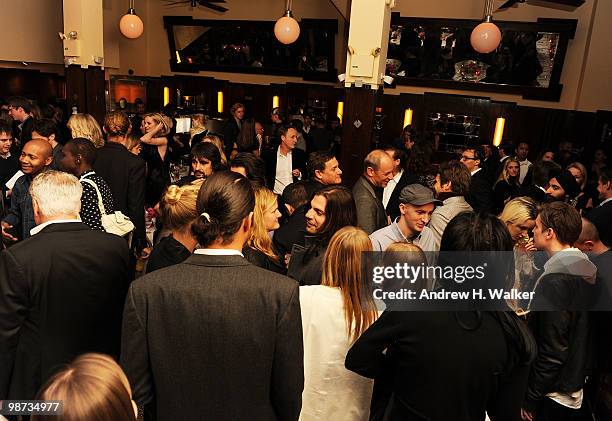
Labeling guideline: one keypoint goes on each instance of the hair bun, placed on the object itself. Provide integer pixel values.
(173, 194)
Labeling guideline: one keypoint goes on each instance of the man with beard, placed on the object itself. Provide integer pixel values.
(562, 187)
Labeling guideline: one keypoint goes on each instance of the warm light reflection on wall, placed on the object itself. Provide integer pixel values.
(340, 110)
(499, 131)
(275, 101)
(166, 96)
(220, 102)
(407, 117)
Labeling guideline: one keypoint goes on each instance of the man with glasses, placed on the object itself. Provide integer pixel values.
(480, 196)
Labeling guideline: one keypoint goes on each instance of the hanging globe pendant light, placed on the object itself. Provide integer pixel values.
(287, 29)
(131, 25)
(486, 36)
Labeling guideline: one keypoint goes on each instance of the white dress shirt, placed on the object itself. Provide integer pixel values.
(218, 252)
(524, 167)
(39, 228)
(388, 191)
(284, 167)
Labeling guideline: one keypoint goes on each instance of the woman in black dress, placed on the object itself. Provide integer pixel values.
(155, 153)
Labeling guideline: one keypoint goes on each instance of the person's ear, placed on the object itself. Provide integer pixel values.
(51, 137)
(589, 244)
(48, 160)
(447, 186)
(370, 171)
(402, 208)
(77, 159)
(248, 222)
(317, 173)
(290, 208)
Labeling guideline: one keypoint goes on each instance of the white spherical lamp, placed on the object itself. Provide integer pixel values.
(485, 37)
(131, 25)
(287, 29)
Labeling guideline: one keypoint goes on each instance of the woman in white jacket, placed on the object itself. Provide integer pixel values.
(334, 315)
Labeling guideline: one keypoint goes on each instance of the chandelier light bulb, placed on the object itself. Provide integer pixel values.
(287, 29)
(131, 25)
(485, 37)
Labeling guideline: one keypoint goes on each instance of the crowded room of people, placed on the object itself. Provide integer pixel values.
(306, 210)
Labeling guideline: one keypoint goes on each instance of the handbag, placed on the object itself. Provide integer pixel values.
(113, 223)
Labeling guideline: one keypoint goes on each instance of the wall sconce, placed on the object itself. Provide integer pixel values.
(275, 101)
(499, 131)
(166, 96)
(407, 117)
(178, 57)
(340, 110)
(220, 102)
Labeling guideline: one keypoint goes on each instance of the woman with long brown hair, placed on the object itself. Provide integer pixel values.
(334, 315)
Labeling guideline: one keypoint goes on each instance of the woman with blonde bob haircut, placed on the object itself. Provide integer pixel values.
(92, 388)
(85, 126)
(259, 249)
(178, 211)
(334, 315)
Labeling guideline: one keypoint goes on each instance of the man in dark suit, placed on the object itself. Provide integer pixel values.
(367, 191)
(232, 127)
(214, 337)
(19, 110)
(9, 164)
(295, 199)
(324, 170)
(602, 214)
(61, 291)
(401, 179)
(480, 196)
(124, 173)
(285, 164)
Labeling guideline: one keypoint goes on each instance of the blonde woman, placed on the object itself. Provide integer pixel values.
(178, 211)
(92, 387)
(154, 152)
(217, 142)
(85, 126)
(507, 185)
(334, 315)
(519, 215)
(198, 127)
(258, 249)
(584, 200)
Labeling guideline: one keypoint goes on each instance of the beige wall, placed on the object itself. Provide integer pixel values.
(33, 26)
(29, 31)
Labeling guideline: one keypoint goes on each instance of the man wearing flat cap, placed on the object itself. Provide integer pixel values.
(417, 203)
(563, 187)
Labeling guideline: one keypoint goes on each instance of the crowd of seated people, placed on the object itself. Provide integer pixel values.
(237, 292)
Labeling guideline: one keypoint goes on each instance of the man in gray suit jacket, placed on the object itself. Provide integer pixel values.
(214, 337)
(367, 191)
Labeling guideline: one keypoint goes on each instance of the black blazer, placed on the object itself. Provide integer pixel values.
(298, 161)
(215, 338)
(392, 208)
(230, 133)
(601, 217)
(124, 173)
(61, 295)
(291, 232)
(480, 196)
(419, 370)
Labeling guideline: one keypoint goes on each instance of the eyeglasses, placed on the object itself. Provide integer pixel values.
(465, 158)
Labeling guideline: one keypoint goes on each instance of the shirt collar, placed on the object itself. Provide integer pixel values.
(475, 171)
(39, 228)
(398, 175)
(87, 174)
(278, 153)
(406, 239)
(605, 201)
(218, 252)
(8, 155)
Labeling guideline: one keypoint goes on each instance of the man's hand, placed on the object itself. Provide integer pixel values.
(145, 253)
(6, 235)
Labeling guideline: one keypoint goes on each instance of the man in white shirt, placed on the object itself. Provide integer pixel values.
(522, 150)
(391, 192)
(285, 164)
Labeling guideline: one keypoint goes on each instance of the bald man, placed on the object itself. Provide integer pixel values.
(368, 190)
(35, 157)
